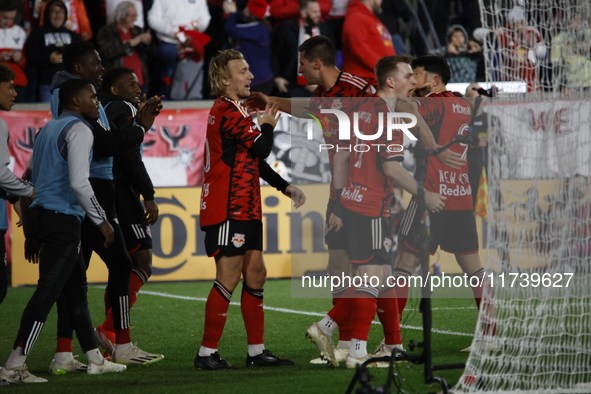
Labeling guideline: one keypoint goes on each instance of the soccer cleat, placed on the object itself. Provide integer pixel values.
(105, 338)
(212, 362)
(340, 354)
(135, 356)
(323, 343)
(105, 367)
(73, 365)
(266, 359)
(382, 351)
(19, 375)
(352, 362)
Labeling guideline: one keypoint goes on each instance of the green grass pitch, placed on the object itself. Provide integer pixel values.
(168, 319)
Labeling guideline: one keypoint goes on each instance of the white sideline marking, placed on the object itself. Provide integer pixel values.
(285, 310)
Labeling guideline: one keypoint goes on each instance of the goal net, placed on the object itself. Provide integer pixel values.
(539, 231)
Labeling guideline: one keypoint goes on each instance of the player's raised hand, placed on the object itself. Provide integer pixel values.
(298, 196)
(148, 111)
(435, 202)
(257, 100)
(270, 116)
(108, 232)
(451, 159)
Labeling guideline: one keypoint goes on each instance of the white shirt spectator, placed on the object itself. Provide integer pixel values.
(167, 16)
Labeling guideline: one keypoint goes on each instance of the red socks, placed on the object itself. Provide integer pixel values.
(364, 310)
(216, 311)
(388, 314)
(251, 305)
(64, 345)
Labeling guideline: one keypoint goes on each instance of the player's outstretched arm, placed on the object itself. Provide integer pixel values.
(294, 107)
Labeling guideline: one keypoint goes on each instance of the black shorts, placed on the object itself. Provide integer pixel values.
(129, 207)
(335, 240)
(137, 237)
(454, 231)
(369, 239)
(234, 238)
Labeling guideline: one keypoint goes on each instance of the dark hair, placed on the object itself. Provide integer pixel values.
(6, 74)
(319, 47)
(75, 53)
(46, 16)
(434, 64)
(304, 4)
(70, 89)
(9, 5)
(388, 66)
(112, 76)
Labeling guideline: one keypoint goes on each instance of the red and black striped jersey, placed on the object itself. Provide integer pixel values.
(347, 85)
(231, 185)
(368, 190)
(448, 116)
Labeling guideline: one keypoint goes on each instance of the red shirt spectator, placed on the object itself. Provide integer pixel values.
(365, 39)
(282, 10)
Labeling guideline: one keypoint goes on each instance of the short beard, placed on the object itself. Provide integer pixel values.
(310, 22)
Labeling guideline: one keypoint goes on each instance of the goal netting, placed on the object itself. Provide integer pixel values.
(539, 231)
(543, 43)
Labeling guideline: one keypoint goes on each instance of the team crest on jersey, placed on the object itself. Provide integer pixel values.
(238, 240)
(387, 244)
(337, 104)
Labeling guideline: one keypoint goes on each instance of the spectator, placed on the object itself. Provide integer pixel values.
(77, 17)
(570, 56)
(365, 38)
(254, 40)
(521, 48)
(139, 6)
(12, 41)
(166, 18)
(283, 10)
(392, 11)
(462, 55)
(335, 19)
(284, 54)
(45, 45)
(121, 43)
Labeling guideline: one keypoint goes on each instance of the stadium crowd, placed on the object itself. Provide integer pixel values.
(169, 43)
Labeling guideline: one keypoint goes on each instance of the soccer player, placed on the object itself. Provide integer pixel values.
(318, 66)
(120, 96)
(235, 152)
(81, 60)
(10, 186)
(60, 166)
(365, 199)
(454, 228)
